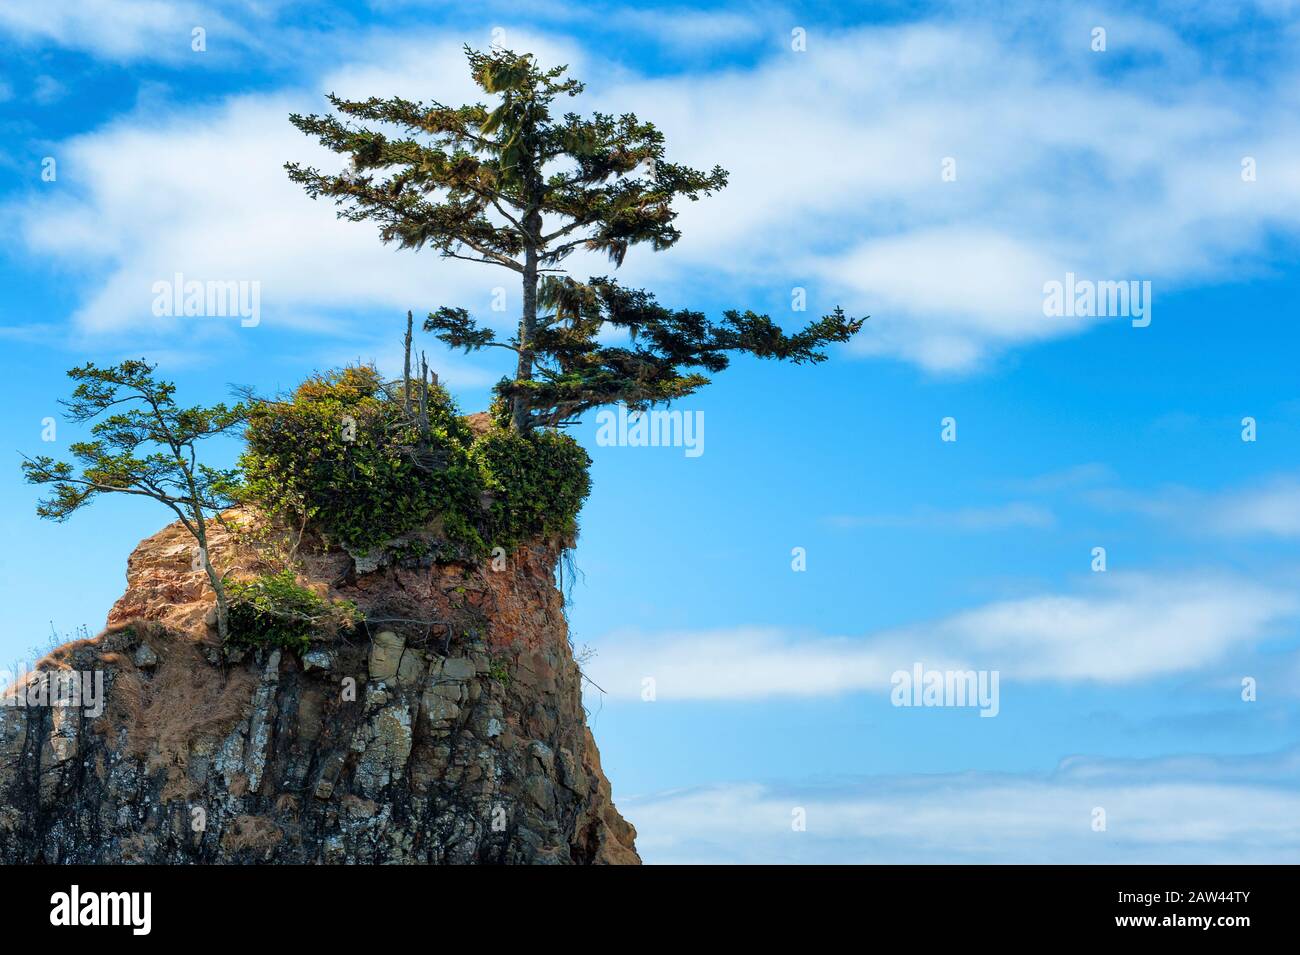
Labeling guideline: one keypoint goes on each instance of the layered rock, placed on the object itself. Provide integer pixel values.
(450, 729)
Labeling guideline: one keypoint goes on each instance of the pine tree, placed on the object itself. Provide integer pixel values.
(517, 187)
(144, 445)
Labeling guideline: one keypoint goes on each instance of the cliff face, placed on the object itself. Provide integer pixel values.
(452, 732)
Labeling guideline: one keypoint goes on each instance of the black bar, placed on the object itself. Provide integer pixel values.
(350, 904)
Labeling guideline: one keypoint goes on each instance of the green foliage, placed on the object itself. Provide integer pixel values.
(521, 185)
(143, 444)
(273, 611)
(537, 481)
(572, 372)
(145, 447)
(344, 455)
(485, 183)
(475, 181)
(500, 411)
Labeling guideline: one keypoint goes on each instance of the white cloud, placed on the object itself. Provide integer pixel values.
(1270, 508)
(1136, 627)
(739, 663)
(694, 29)
(1123, 629)
(115, 29)
(1202, 810)
(835, 159)
(203, 192)
(970, 288)
(432, 67)
(836, 155)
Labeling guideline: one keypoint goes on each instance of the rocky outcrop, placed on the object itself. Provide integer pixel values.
(450, 729)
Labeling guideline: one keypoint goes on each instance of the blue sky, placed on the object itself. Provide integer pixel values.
(1120, 690)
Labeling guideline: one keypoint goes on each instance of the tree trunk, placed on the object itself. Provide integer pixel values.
(223, 611)
(223, 619)
(406, 367)
(527, 327)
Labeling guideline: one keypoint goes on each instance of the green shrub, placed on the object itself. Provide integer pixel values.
(343, 455)
(273, 611)
(537, 482)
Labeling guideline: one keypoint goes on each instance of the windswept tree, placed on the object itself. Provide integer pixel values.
(143, 444)
(514, 186)
(573, 372)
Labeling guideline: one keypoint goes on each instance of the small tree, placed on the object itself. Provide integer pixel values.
(145, 448)
(516, 187)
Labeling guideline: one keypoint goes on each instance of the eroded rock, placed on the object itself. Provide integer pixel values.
(454, 735)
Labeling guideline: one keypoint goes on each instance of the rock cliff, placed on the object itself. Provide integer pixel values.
(450, 729)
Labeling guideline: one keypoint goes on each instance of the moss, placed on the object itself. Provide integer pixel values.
(273, 611)
(500, 671)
